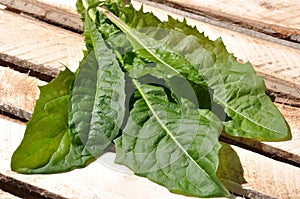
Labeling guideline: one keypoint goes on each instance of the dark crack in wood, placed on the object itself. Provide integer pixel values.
(35, 70)
(262, 149)
(25, 190)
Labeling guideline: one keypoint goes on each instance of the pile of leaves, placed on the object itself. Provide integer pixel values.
(162, 92)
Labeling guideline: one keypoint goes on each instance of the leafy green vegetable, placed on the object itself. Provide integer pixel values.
(171, 144)
(94, 111)
(230, 168)
(187, 89)
(47, 145)
(97, 106)
(232, 83)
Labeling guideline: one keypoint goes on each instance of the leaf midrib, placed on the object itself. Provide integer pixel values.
(131, 33)
(225, 105)
(98, 70)
(137, 85)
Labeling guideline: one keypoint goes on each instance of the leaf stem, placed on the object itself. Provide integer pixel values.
(133, 36)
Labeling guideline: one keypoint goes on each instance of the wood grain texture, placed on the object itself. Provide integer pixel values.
(38, 42)
(276, 18)
(22, 93)
(57, 53)
(268, 58)
(101, 179)
(272, 178)
(18, 97)
(63, 13)
(263, 174)
(279, 64)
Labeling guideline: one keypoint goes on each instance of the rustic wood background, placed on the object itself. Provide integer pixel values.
(39, 37)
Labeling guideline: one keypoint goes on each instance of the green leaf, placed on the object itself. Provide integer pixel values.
(46, 146)
(230, 169)
(182, 49)
(171, 144)
(97, 106)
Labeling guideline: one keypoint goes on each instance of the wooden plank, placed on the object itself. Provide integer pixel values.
(273, 18)
(276, 18)
(20, 94)
(56, 14)
(99, 179)
(59, 35)
(25, 190)
(39, 43)
(284, 193)
(278, 64)
(265, 175)
(21, 98)
(268, 58)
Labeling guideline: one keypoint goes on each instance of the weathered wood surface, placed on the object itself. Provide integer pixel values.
(55, 14)
(276, 18)
(58, 50)
(39, 43)
(271, 60)
(86, 183)
(101, 179)
(275, 179)
(21, 97)
(268, 58)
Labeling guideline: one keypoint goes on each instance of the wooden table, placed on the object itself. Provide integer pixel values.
(38, 37)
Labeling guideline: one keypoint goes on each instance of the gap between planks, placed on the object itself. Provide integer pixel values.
(100, 184)
(271, 60)
(273, 19)
(66, 18)
(254, 18)
(56, 45)
(20, 98)
(25, 190)
(278, 64)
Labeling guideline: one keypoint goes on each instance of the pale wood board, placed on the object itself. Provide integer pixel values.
(267, 57)
(274, 61)
(101, 179)
(131, 188)
(104, 179)
(69, 5)
(74, 43)
(22, 93)
(284, 13)
(62, 15)
(13, 132)
(277, 18)
(38, 42)
(270, 177)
